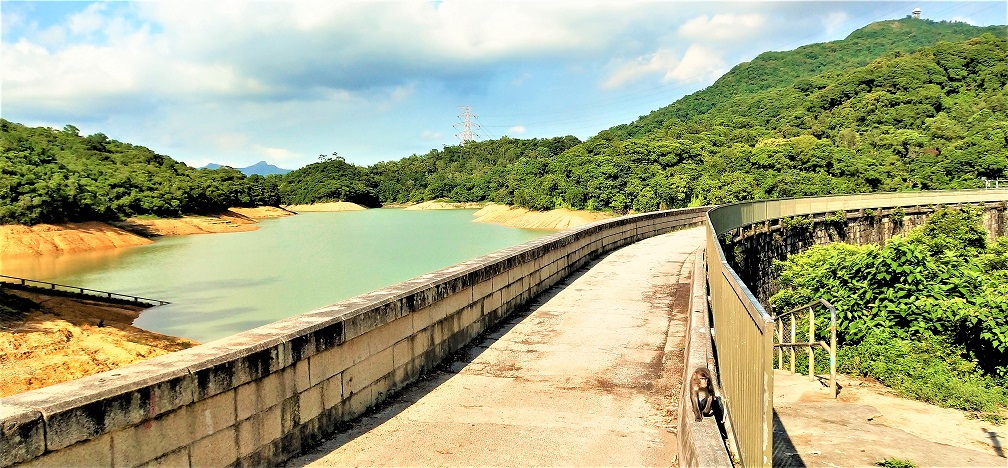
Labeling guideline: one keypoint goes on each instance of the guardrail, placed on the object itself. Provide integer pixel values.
(810, 344)
(743, 337)
(75, 290)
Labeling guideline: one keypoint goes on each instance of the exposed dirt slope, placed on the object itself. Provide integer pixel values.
(61, 340)
(331, 206)
(555, 220)
(46, 239)
(442, 205)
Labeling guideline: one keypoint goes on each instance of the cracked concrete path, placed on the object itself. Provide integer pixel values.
(589, 375)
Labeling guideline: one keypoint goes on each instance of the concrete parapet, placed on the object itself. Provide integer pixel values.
(700, 442)
(261, 396)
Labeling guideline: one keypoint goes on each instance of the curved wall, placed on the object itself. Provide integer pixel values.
(743, 342)
(261, 396)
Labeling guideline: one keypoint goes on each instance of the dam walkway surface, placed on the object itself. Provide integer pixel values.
(588, 374)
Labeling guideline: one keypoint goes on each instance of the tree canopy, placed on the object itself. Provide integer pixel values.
(898, 105)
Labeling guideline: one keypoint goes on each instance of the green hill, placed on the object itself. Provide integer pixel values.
(897, 105)
(822, 119)
(781, 69)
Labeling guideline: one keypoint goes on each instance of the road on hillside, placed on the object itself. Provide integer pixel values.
(588, 375)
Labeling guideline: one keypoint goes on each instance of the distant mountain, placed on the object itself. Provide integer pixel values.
(261, 168)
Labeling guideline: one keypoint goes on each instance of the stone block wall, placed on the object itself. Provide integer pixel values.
(264, 395)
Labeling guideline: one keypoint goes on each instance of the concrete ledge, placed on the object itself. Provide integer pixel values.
(261, 396)
(700, 442)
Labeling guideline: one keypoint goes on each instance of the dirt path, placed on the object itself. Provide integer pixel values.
(868, 424)
(61, 340)
(586, 377)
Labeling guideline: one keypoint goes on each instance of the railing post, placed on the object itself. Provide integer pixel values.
(791, 348)
(779, 331)
(811, 339)
(832, 359)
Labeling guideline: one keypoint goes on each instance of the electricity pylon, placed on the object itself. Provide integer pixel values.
(465, 133)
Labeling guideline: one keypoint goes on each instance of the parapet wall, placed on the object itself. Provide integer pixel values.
(262, 396)
(753, 249)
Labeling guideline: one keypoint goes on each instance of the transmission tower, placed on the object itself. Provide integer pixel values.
(465, 127)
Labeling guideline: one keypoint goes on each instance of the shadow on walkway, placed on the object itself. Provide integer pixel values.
(784, 452)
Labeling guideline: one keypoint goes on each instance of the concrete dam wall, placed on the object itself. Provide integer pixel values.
(753, 249)
(261, 396)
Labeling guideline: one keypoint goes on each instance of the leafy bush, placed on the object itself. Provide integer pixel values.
(926, 315)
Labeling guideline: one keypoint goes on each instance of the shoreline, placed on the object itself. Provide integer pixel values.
(52, 239)
(64, 338)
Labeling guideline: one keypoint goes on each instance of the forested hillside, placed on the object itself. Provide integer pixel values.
(49, 175)
(782, 69)
(898, 105)
(859, 115)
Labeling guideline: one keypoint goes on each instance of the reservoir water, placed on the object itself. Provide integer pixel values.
(221, 284)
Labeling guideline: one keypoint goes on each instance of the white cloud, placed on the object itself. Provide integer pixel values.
(697, 65)
(661, 61)
(431, 135)
(88, 21)
(834, 21)
(516, 130)
(275, 154)
(723, 27)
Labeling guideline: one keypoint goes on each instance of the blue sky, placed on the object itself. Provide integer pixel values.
(236, 82)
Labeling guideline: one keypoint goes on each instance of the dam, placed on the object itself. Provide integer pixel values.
(269, 394)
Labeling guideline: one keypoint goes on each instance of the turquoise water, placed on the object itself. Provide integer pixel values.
(221, 284)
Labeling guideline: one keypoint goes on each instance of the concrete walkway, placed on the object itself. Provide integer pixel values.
(588, 376)
(867, 424)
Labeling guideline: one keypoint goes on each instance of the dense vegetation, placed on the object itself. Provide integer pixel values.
(926, 314)
(892, 107)
(49, 175)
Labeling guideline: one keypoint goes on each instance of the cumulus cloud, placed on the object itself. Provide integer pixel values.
(296, 50)
(659, 62)
(90, 20)
(697, 65)
(516, 130)
(834, 21)
(275, 154)
(723, 27)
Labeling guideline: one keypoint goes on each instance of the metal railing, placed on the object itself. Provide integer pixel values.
(743, 336)
(994, 184)
(75, 290)
(810, 344)
(743, 342)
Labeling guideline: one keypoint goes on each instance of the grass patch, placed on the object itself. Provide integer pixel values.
(896, 463)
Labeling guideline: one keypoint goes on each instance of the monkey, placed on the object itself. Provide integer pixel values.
(702, 393)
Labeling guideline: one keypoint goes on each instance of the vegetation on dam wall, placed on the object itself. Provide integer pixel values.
(925, 314)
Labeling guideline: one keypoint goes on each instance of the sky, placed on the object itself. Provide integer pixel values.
(236, 82)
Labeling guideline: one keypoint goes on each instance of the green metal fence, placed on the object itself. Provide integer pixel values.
(744, 331)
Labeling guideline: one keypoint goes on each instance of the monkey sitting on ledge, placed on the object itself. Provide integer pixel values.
(704, 400)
